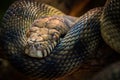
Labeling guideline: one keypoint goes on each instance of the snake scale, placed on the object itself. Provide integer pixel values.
(70, 39)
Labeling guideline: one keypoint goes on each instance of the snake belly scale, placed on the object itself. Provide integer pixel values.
(81, 40)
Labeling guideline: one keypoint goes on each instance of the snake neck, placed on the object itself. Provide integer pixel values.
(110, 24)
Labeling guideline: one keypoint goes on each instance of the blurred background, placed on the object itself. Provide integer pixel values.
(103, 57)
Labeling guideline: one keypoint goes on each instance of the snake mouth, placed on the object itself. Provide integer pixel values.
(39, 49)
(43, 35)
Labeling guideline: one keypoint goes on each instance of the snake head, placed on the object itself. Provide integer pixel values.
(43, 36)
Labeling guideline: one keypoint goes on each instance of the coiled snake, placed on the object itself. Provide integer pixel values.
(43, 42)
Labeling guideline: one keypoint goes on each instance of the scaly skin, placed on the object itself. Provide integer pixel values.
(81, 40)
(110, 24)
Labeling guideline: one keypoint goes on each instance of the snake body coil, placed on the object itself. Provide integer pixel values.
(80, 41)
(110, 22)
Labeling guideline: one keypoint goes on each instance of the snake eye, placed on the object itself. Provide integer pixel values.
(27, 33)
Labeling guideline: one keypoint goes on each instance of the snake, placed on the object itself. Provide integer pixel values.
(43, 42)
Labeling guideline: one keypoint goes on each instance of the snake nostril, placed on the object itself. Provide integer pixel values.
(62, 36)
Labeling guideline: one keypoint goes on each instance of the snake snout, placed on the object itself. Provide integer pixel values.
(39, 50)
